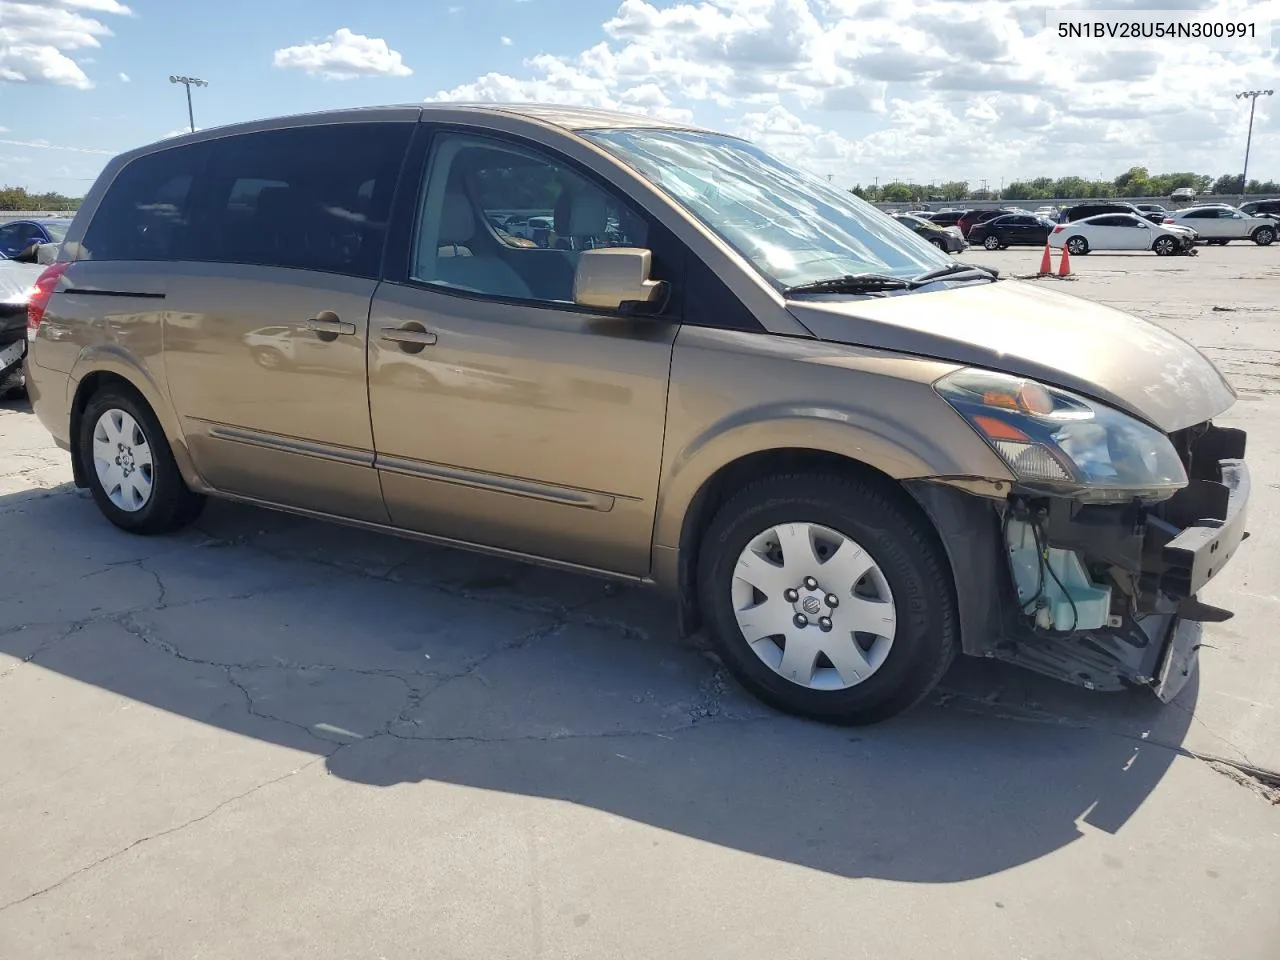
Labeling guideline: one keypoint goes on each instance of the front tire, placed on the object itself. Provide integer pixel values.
(1264, 236)
(783, 549)
(129, 465)
(1165, 246)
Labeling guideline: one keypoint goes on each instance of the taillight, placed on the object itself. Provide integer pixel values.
(1167, 220)
(1059, 228)
(41, 293)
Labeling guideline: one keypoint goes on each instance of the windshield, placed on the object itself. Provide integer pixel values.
(56, 231)
(792, 226)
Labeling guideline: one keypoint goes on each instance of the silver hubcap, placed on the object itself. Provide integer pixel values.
(122, 460)
(991, 243)
(814, 606)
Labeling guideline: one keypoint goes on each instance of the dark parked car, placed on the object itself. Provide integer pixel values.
(947, 218)
(19, 235)
(1261, 208)
(1151, 211)
(944, 240)
(1012, 230)
(973, 217)
(1082, 210)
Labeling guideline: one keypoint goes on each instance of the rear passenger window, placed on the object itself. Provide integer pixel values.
(314, 198)
(145, 213)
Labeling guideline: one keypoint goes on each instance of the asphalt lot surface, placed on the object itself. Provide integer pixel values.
(270, 737)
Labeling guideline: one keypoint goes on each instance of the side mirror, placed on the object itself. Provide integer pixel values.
(616, 278)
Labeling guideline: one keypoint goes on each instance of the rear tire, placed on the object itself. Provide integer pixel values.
(991, 243)
(129, 465)
(1077, 246)
(876, 527)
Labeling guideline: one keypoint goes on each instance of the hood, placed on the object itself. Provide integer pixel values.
(1028, 330)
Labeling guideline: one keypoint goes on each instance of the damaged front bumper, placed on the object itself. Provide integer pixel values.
(1121, 606)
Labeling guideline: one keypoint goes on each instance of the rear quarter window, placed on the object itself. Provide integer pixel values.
(145, 213)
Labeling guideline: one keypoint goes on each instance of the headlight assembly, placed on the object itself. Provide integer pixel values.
(1053, 438)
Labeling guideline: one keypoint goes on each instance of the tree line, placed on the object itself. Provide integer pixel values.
(1134, 182)
(19, 198)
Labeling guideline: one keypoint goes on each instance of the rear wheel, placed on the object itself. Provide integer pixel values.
(129, 466)
(1077, 246)
(991, 243)
(828, 597)
(1264, 236)
(1165, 246)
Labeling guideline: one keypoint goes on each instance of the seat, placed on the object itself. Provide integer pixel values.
(581, 219)
(481, 271)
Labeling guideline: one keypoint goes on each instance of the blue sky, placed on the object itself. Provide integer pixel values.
(858, 89)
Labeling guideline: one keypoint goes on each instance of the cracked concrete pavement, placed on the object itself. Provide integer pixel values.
(272, 737)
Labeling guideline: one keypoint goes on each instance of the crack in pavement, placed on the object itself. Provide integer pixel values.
(164, 833)
(1266, 781)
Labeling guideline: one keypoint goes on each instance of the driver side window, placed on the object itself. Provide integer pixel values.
(510, 222)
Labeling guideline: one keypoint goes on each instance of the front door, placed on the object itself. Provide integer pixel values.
(267, 314)
(503, 414)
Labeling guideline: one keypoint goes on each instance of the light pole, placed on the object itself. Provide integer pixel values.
(1253, 96)
(189, 82)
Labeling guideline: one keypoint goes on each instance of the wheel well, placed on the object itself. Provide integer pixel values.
(89, 386)
(731, 478)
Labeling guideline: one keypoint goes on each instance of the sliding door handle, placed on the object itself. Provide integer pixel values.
(421, 338)
(327, 325)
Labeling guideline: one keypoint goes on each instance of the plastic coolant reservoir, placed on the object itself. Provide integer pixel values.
(1053, 608)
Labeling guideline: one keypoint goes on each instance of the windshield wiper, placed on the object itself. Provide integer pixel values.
(956, 271)
(851, 283)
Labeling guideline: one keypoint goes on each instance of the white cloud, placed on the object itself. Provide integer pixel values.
(926, 89)
(344, 56)
(124, 77)
(37, 38)
(46, 145)
(507, 41)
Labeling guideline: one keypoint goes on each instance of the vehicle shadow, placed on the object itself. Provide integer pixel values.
(402, 663)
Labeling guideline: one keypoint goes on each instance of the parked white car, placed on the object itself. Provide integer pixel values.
(1122, 231)
(1222, 224)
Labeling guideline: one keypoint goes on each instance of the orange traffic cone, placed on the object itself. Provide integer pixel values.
(1064, 266)
(1046, 262)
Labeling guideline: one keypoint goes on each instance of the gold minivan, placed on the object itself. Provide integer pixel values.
(847, 456)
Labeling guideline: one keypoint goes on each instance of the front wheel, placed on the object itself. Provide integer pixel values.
(828, 597)
(130, 467)
(1264, 236)
(1165, 246)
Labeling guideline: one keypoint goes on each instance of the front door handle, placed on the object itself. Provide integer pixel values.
(330, 325)
(408, 335)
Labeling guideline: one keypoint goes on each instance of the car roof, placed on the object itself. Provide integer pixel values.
(566, 117)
